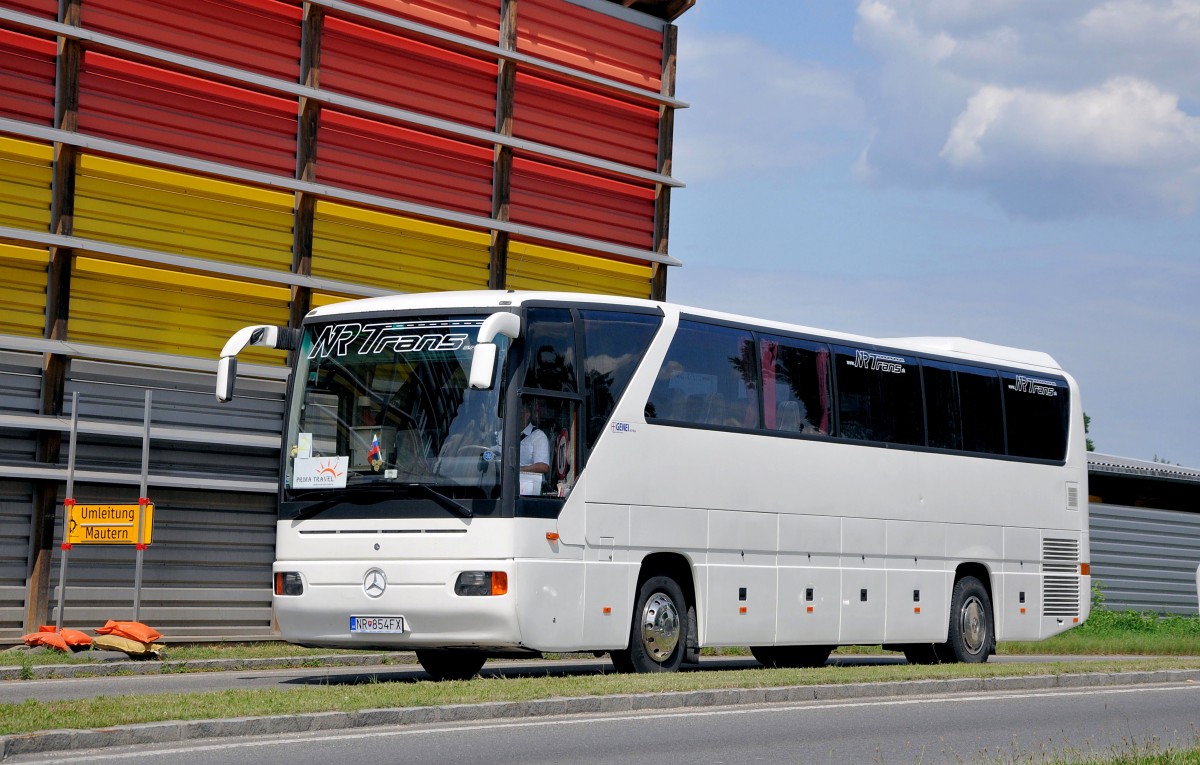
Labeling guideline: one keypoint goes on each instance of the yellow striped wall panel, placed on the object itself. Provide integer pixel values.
(321, 299)
(533, 267)
(25, 177)
(22, 290)
(397, 253)
(164, 210)
(150, 309)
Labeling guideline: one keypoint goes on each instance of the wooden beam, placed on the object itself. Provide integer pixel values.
(666, 147)
(506, 80)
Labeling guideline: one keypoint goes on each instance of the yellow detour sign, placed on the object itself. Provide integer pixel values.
(109, 524)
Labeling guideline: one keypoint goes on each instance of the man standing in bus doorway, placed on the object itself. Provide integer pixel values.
(535, 452)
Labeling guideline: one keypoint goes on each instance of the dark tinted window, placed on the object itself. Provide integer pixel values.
(963, 407)
(1036, 411)
(614, 344)
(795, 385)
(707, 378)
(550, 350)
(879, 396)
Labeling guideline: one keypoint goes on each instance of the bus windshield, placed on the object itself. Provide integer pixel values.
(386, 404)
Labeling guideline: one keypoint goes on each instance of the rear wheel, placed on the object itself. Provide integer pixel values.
(658, 635)
(972, 636)
(792, 655)
(451, 664)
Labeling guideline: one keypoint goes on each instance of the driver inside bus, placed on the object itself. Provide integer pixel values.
(535, 446)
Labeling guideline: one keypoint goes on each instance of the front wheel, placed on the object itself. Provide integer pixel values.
(451, 665)
(658, 635)
(972, 636)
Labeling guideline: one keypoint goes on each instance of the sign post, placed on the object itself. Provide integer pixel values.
(106, 523)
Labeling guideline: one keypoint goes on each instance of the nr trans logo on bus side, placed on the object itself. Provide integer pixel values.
(337, 339)
(1035, 386)
(878, 362)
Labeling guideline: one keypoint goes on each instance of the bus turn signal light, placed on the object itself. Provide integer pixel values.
(288, 583)
(481, 583)
(1085, 569)
(552, 536)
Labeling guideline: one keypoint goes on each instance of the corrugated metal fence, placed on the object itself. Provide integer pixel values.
(1146, 559)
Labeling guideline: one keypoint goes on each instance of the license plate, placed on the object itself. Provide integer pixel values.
(393, 624)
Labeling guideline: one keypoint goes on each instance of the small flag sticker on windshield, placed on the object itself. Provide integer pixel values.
(375, 456)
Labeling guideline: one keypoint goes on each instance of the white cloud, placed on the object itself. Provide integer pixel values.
(754, 109)
(1060, 109)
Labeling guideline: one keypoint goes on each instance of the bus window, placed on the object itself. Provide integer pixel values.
(1036, 410)
(707, 378)
(795, 386)
(614, 344)
(549, 453)
(963, 405)
(879, 397)
(550, 350)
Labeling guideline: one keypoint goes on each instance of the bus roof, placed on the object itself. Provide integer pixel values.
(959, 347)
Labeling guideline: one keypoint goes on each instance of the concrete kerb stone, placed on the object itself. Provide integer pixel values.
(174, 731)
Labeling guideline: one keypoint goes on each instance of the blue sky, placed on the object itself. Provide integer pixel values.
(1011, 171)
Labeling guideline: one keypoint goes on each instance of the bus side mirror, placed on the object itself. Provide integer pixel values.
(483, 358)
(280, 338)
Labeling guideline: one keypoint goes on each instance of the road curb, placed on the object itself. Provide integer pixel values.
(179, 731)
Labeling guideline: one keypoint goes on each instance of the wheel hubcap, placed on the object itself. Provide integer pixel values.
(660, 627)
(973, 625)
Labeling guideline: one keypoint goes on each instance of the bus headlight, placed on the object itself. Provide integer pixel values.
(481, 583)
(288, 583)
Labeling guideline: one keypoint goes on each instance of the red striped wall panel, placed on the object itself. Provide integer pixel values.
(596, 42)
(564, 199)
(161, 109)
(389, 160)
(408, 74)
(471, 18)
(560, 114)
(262, 36)
(47, 9)
(26, 78)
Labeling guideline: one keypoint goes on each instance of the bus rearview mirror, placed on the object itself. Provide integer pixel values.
(483, 366)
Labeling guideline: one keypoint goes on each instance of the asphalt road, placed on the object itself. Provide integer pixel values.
(957, 728)
(16, 691)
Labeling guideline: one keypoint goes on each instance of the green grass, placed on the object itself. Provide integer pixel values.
(107, 711)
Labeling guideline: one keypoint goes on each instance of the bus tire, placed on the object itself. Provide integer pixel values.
(451, 665)
(658, 633)
(972, 636)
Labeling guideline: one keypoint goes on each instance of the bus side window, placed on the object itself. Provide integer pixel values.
(713, 371)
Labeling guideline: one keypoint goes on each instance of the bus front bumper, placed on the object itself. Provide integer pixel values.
(396, 605)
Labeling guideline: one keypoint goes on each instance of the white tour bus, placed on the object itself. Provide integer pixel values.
(507, 473)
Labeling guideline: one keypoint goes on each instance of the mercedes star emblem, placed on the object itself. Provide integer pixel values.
(374, 583)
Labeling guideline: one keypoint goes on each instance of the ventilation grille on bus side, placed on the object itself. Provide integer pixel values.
(1060, 581)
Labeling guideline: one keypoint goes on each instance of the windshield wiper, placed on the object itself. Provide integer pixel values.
(353, 496)
(449, 503)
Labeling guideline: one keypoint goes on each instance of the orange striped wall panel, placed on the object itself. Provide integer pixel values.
(151, 208)
(148, 309)
(25, 177)
(564, 114)
(262, 36)
(535, 267)
(22, 290)
(162, 109)
(570, 34)
(396, 253)
(564, 198)
(381, 158)
(26, 77)
(479, 19)
(407, 73)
